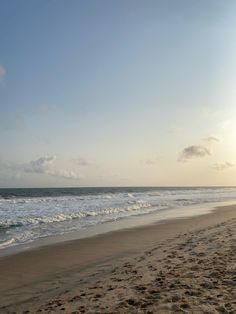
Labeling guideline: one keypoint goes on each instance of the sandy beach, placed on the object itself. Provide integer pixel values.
(118, 157)
(178, 266)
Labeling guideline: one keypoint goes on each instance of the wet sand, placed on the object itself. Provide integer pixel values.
(185, 266)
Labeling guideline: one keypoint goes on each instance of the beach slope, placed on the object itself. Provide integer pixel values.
(185, 266)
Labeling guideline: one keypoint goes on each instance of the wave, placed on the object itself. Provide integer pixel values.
(26, 218)
(7, 243)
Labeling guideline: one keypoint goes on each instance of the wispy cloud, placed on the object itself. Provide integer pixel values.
(80, 161)
(223, 165)
(194, 151)
(2, 75)
(152, 161)
(211, 139)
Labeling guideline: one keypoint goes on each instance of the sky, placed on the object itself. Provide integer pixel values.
(117, 93)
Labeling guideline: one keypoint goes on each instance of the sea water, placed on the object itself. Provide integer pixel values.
(27, 215)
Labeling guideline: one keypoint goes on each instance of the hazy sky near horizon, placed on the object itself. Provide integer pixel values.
(107, 93)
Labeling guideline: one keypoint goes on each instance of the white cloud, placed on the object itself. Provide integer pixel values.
(40, 165)
(194, 151)
(223, 165)
(2, 75)
(43, 165)
(66, 174)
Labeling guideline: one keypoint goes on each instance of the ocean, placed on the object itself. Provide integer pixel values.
(27, 215)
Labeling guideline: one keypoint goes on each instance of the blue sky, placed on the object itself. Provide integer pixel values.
(117, 93)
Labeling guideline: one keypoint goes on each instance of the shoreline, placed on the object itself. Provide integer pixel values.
(130, 222)
(25, 275)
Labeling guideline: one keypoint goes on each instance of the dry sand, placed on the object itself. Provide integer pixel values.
(181, 266)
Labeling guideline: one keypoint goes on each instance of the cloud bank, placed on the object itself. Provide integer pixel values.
(194, 151)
